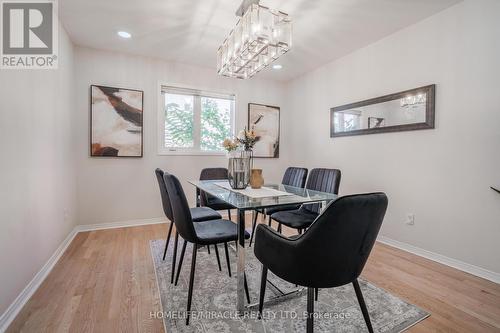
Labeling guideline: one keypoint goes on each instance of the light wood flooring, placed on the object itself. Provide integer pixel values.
(105, 282)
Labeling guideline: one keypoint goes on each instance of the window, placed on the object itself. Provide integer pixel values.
(194, 122)
(347, 121)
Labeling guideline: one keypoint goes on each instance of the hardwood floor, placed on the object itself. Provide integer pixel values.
(105, 282)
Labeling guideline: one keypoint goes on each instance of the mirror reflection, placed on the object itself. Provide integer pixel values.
(391, 112)
(407, 110)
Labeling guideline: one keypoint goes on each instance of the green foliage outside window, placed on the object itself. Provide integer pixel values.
(214, 128)
(215, 125)
(179, 125)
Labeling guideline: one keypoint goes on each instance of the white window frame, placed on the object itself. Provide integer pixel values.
(162, 150)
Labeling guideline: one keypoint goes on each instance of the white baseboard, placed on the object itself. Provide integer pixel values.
(460, 265)
(8, 316)
(120, 224)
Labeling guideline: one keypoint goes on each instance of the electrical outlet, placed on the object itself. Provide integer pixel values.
(410, 219)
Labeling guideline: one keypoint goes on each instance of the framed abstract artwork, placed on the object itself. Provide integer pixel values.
(265, 120)
(116, 122)
(374, 122)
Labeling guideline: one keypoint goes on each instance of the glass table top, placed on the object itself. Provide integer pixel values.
(296, 195)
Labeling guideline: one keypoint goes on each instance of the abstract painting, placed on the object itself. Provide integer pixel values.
(116, 120)
(265, 120)
(374, 122)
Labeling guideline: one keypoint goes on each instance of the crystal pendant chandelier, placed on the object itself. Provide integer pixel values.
(413, 100)
(261, 36)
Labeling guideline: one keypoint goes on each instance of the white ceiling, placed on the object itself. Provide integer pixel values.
(190, 31)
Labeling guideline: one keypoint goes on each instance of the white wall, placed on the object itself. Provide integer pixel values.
(120, 189)
(441, 175)
(37, 178)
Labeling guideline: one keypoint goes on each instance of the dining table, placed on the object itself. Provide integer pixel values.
(249, 199)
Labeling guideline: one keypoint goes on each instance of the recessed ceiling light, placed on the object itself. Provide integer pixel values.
(124, 34)
(277, 66)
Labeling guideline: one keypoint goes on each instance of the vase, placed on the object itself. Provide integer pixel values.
(238, 170)
(256, 179)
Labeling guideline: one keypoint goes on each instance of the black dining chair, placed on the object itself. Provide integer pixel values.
(207, 233)
(207, 200)
(198, 214)
(293, 177)
(323, 180)
(331, 253)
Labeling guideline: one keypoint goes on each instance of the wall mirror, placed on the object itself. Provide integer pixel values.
(404, 111)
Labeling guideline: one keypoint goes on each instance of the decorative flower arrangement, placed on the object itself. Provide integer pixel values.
(239, 152)
(230, 145)
(246, 139)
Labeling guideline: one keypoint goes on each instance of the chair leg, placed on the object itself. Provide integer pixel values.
(227, 259)
(247, 293)
(310, 310)
(316, 294)
(174, 256)
(180, 262)
(279, 228)
(263, 281)
(168, 239)
(229, 214)
(362, 305)
(299, 231)
(191, 281)
(208, 249)
(254, 224)
(218, 258)
(269, 221)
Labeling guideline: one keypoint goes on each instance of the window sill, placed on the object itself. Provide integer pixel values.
(191, 153)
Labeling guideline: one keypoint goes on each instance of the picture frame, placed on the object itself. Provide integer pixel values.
(418, 102)
(116, 122)
(375, 122)
(265, 121)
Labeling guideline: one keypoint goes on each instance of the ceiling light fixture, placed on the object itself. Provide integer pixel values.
(413, 100)
(277, 66)
(124, 34)
(261, 36)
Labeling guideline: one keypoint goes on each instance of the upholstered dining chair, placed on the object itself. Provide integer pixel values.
(331, 253)
(293, 177)
(198, 214)
(323, 180)
(207, 233)
(207, 200)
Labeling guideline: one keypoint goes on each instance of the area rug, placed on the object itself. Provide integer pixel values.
(214, 300)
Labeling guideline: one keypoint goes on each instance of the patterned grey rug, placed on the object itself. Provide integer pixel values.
(214, 299)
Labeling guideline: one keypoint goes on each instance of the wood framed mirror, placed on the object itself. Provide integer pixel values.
(403, 111)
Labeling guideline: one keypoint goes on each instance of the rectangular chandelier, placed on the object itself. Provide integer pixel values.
(261, 36)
